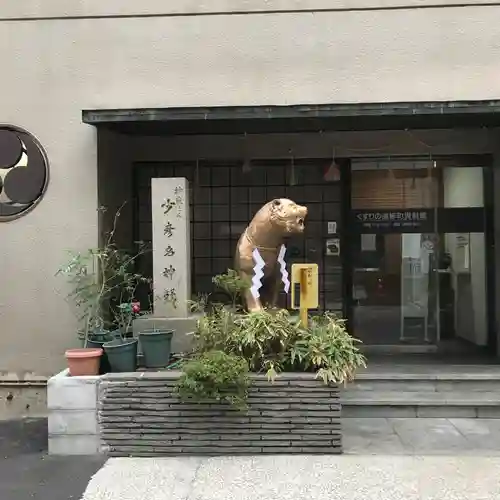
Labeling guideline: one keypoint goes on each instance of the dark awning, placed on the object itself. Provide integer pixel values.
(300, 118)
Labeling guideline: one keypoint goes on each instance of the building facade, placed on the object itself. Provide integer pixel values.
(250, 100)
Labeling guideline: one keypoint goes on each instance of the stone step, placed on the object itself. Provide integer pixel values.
(429, 375)
(402, 398)
(421, 384)
(458, 404)
(427, 378)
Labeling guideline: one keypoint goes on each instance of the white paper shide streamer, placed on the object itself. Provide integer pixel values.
(284, 272)
(258, 274)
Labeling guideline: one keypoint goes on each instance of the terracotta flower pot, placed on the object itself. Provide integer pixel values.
(83, 361)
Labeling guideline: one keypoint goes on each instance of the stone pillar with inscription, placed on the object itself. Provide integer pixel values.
(171, 262)
(171, 247)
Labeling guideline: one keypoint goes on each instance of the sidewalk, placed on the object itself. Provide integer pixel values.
(26, 472)
(348, 477)
(386, 459)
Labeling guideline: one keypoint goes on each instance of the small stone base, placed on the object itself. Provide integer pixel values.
(141, 415)
(72, 407)
(182, 327)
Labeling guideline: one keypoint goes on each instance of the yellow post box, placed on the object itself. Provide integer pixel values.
(304, 289)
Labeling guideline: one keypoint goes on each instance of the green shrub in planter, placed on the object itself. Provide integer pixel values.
(232, 284)
(198, 304)
(272, 342)
(262, 338)
(215, 375)
(326, 348)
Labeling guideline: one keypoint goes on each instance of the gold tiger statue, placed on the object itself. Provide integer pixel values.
(266, 232)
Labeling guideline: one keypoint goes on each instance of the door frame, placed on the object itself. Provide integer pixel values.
(348, 234)
(490, 261)
(346, 238)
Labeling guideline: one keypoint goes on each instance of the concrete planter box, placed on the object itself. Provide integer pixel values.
(139, 414)
(72, 419)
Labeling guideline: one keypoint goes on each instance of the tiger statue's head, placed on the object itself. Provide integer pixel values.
(287, 214)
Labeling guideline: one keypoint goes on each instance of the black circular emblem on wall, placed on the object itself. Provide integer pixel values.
(24, 172)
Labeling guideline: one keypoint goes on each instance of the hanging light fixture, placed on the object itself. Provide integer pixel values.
(332, 173)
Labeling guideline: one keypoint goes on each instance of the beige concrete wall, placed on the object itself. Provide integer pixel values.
(35, 9)
(60, 57)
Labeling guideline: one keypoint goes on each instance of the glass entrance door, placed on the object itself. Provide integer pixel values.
(418, 252)
(395, 288)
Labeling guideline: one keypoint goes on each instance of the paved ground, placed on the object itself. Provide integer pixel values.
(390, 459)
(422, 436)
(26, 472)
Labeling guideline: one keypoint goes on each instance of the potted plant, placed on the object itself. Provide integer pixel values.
(86, 294)
(121, 350)
(83, 361)
(156, 345)
(97, 277)
(121, 354)
(96, 340)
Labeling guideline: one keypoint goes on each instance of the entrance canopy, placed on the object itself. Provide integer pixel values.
(302, 118)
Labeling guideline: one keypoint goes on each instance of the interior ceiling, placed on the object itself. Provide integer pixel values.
(296, 119)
